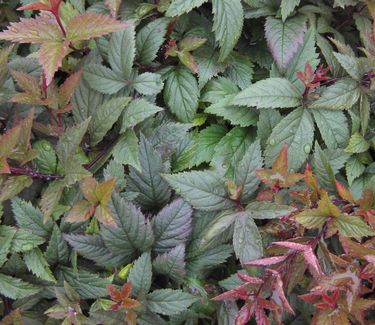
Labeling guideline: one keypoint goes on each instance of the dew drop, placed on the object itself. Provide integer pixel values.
(272, 142)
(307, 148)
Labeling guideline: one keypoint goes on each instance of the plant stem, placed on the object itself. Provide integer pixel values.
(17, 171)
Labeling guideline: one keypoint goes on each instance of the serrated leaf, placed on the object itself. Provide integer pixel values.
(353, 226)
(93, 248)
(268, 119)
(179, 7)
(333, 127)
(287, 7)
(133, 232)
(153, 190)
(149, 40)
(357, 144)
(237, 115)
(172, 226)
(245, 172)
(204, 190)
(240, 70)
(13, 186)
(181, 94)
(103, 79)
(285, 38)
(306, 54)
(323, 168)
(148, 83)
(172, 263)
(267, 210)
(247, 241)
(270, 93)
(16, 288)
(137, 112)
(31, 218)
(105, 116)
(169, 302)
(6, 237)
(140, 275)
(24, 240)
(51, 198)
(228, 22)
(126, 151)
(121, 52)
(38, 265)
(57, 250)
(88, 285)
(341, 95)
(91, 25)
(296, 130)
(354, 168)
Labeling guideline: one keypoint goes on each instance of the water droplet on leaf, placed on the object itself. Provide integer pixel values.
(307, 148)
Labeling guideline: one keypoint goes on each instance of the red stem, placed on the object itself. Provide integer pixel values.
(33, 174)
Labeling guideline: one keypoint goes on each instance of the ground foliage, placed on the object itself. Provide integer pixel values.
(187, 161)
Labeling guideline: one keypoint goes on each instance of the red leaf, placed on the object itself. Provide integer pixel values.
(279, 291)
(249, 279)
(244, 315)
(266, 261)
(344, 192)
(35, 6)
(234, 294)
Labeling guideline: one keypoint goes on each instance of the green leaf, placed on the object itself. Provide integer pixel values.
(181, 94)
(93, 248)
(150, 38)
(6, 237)
(306, 54)
(24, 240)
(204, 190)
(285, 38)
(13, 186)
(364, 109)
(333, 127)
(323, 168)
(31, 218)
(169, 302)
(126, 151)
(267, 210)
(105, 116)
(245, 172)
(354, 168)
(350, 64)
(287, 7)
(16, 288)
(38, 265)
(133, 232)
(296, 130)
(138, 110)
(270, 93)
(103, 79)
(236, 115)
(46, 161)
(357, 144)
(88, 285)
(240, 70)
(57, 250)
(232, 148)
(202, 148)
(179, 7)
(172, 263)
(121, 52)
(341, 95)
(140, 275)
(172, 226)
(153, 190)
(228, 22)
(148, 83)
(268, 119)
(247, 241)
(353, 226)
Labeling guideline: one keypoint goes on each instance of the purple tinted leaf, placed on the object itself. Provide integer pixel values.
(172, 263)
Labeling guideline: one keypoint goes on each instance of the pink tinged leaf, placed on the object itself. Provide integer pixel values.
(279, 293)
(67, 88)
(51, 55)
(35, 6)
(266, 261)
(244, 315)
(308, 254)
(234, 294)
(113, 6)
(33, 30)
(285, 38)
(260, 316)
(370, 258)
(249, 279)
(91, 25)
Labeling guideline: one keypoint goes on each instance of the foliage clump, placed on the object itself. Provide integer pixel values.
(187, 162)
